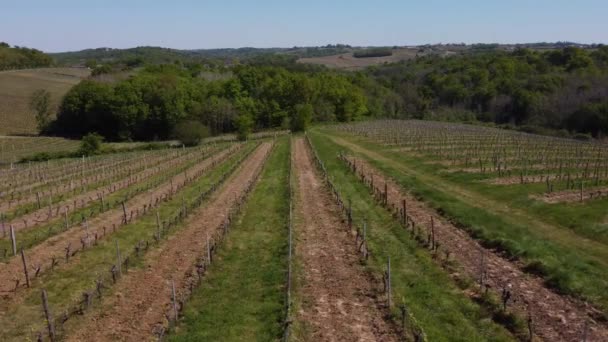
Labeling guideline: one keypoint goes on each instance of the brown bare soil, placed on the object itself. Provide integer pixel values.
(511, 180)
(143, 297)
(338, 298)
(568, 196)
(555, 317)
(55, 246)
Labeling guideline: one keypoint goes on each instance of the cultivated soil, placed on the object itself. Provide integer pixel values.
(55, 246)
(142, 298)
(555, 317)
(568, 196)
(58, 210)
(337, 294)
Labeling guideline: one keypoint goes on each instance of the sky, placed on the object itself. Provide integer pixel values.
(67, 25)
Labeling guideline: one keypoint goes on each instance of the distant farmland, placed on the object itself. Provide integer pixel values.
(17, 86)
(348, 62)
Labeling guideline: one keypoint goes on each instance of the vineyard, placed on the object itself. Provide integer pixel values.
(374, 231)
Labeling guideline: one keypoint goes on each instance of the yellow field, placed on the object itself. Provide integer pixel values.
(17, 86)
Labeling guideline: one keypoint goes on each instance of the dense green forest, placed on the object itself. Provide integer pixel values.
(150, 104)
(22, 58)
(562, 91)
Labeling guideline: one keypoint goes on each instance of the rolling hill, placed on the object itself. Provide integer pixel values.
(16, 87)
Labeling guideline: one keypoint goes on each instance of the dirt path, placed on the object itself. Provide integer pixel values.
(337, 293)
(142, 298)
(556, 318)
(56, 245)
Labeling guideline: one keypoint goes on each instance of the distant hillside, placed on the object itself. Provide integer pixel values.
(20, 57)
(17, 86)
(159, 55)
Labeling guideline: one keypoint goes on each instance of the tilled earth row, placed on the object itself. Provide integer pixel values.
(57, 246)
(338, 296)
(142, 297)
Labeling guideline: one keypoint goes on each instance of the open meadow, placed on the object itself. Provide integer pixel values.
(17, 86)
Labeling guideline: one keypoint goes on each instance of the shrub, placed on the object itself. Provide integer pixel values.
(190, 132)
(301, 117)
(90, 144)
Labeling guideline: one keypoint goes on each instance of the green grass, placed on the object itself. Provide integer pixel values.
(16, 88)
(13, 149)
(585, 219)
(569, 262)
(242, 297)
(66, 285)
(439, 306)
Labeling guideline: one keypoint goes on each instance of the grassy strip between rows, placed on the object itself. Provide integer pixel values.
(66, 285)
(440, 308)
(31, 237)
(585, 218)
(567, 267)
(242, 297)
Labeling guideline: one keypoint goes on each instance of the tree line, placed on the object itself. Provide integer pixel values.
(151, 104)
(562, 91)
(17, 57)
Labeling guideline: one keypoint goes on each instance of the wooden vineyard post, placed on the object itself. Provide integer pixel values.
(158, 227)
(405, 213)
(124, 213)
(174, 299)
(388, 282)
(47, 314)
(103, 204)
(208, 251)
(350, 214)
(118, 259)
(38, 199)
(432, 233)
(13, 240)
(385, 194)
(67, 223)
(482, 269)
(27, 275)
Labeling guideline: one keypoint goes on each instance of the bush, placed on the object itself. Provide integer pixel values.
(190, 132)
(90, 144)
(244, 126)
(301, 118)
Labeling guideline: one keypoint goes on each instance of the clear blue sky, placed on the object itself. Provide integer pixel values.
(60, 25)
